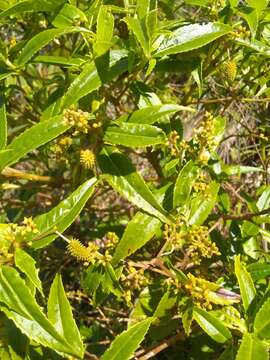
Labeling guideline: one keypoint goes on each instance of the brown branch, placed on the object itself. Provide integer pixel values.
(246, 216)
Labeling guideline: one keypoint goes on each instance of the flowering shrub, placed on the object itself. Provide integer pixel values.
(134, 159)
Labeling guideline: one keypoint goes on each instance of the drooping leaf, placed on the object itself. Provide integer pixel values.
(202, 205)
(191, 37)
(94, 74)
(3, 124)
(104, 35)
(245, 282)
(26, 264)
(136, 26)
(20, 306)
(134, 135)
(125, 344)
(68, 15)
(121, 175)
(60, 315)
(259, 271)
(211, 325)
(262, 321)
(63, 215)
(31, 139)
(31, 5)
(141, 228)
(184, 182)
(150, 114)
(40, 40)
(251, 349)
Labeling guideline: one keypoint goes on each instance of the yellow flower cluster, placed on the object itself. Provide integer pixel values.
(201, 186)
(199, 244)
(80, 121)
(204, 138)
(173, 236)
(173, 143)
(200, 290)
(111, 240)
(87, 159)
(76, 118)
(18, 233)
(133, 279)
(241, 32)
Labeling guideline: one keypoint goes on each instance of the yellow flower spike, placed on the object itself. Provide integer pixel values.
(87, 159)
(81, 252)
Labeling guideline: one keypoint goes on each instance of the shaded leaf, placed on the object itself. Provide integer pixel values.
(262, 321)
(211, 325)
(245, 282)
(3, 124)
(251, 349)
(125, 344)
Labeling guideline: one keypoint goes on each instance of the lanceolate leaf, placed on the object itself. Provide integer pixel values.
(134, 135)
(26, 264)
(122, 176)
(43, 38)
(125, 344)
(136, 26)
(251, 349)
(139, 231)
(60, 315)
(31, 139)
(211, 325)
(151, 114)
(31, 5)
(191, 37)
(3, 124)
(202, 206)
(19, 305)
(184, 182)
(63, 215)
(94, 74)
(245, 282)
(262, 321)
(105, 25)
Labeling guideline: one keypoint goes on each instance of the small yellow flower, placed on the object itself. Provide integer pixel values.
(78, 119)
(87, 159)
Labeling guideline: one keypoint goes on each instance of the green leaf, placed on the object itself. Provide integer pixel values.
(256, 45)
(139, 231)
(104, 35)
(40, 40)
(26, 264)
(60, 315)
(94, 74)
(31, 5)
(187, 318)
(211, 325)
(262, 321)
(3, 124)
(150, 114)
(247, 288)
(125, 344)
(59, 60)
(63, 215)
(184, 183)
(202, 205)
(68, 15)
(191, 37)
(259, 271)
(136, 26)
(19, 305)
(134, 135)
(251, 349)
(259, 5)
(119, 172)
(32, 138)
